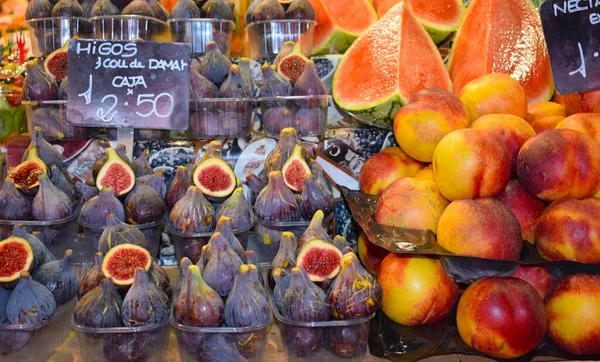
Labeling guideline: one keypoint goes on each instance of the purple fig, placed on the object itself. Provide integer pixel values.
(315, 230)
(30, 302)
(157, 182)
(225, 227)
(350, 341)
(197, 304)
(93, 278)
(94, 211)
(314, 198)
(274, 85)
(183, 268)
(192, 213)
(221, 265)
(247, 304)
(67, 8)
(218, 9)
(41, 254)
(244, 65)
(62, 180)
(143, 204)
(159, 277)
(286, 255)
(178, 187)
(100, 307)
(283, 150)
(45, 151)
(282, 282)
(186, 9)
(301, 10)
(13, 204)
(201, 87)
(158, 11)
(104, 8)
(38, 9)
(59, 277)
(86, 191)
(317, 170)
(248, 15)
(202, 260)
(235, 86)
(304, 301)
(144, 304)
(138, 7)
(117, 232)
(50, 203)
(268, 10)
(141, 166)
(214, 66)
(309, 84)
(39, 85)
(303, 342)
(255, 184)
(237, 208)
(276, 202)
(219, 347)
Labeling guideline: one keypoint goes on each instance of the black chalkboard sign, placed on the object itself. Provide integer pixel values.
(128, 84)
(572, 31)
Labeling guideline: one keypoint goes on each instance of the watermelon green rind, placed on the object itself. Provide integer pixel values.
(339, 41)
(381, 116)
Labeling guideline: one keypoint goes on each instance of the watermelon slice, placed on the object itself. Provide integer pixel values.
(503, 37)
(440, 17)
(390, 62)
(339, 23)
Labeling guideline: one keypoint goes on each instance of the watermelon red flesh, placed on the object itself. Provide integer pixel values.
(503, 37)
(438, 14)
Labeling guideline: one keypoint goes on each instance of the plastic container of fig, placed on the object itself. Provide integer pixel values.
(306, 114)
(35, 342)
(221, 118)
(190, 244)
(49, 34)
(130, 27)
(51, 116)
(199, 32)
(267, 37)
(152, 231)
(148, 343)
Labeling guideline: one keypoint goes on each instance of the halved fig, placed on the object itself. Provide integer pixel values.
(115, 173)
(56, 62)
(215, 177)
(25, 175)
(320, 259)
(292, 65)
(15, 256)
(122, 260)
(294, 170)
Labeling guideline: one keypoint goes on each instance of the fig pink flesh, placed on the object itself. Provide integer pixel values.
(14, 257)
(214, 178)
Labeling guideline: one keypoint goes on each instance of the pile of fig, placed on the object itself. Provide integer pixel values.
(210, 9)
(269, 10)
(90, 8)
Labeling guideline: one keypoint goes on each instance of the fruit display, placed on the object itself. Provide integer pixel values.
(272, 10)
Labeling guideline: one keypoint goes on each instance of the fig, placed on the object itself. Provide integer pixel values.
(237, 208)
(247, 304)
(45, 151)
(85, 191)
(276, 203)
(50, 203)
(30, 302)
(274, 85)
(309, 84)
(60, 178)
(288, 139)
(225, 227)
(117, 232)
(186, 9)
(315, 230)
(202, 260)
(350, 341)
(56, 62)
(138, 7)
(59, 277)
(16, 256)
(304, 301)
(293, 65)
(184, 263)
(244, 65)
(158, 11)
(276, 119)
(129, 347)
(214, 66)
(157, 182)
(317, 170)
(41, 254)
(100, 307)
(95, 210)
(178, 187)
(301, 10)
(4, 295)
(115, 173)
(197, 304)
(219, 347)
(341, 243)
(121, 150)
(314, 197)
(235, 86)
(25, 175)
(268, 10)
(248, 15)
(303, 342)
(200, 86)
(62, 89)
(286, 49)
(13, 204)
(144, 304)
(92, 278)
(295, 169)
(286, 255)
(121, 262)
(121, 4)
(67, 8)
(214, 177)
(320, 259)
(354, 293)
(159, 277)
(39, 85)
(221, 265)
(38, 9)
(255, 184)
(104, 8)
(282, 279)
(192, 213)
(218, 9)
(213, 149)
(87, 6)
(141, 165)
(144, 205)
(252, 260)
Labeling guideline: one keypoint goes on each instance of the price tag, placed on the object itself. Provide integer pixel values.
(126, 84)
(572, 31)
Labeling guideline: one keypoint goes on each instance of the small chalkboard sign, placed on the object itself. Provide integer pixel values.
(128, 84)
(572, 31)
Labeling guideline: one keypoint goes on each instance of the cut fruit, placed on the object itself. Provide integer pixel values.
(440, 17)
(122, 260)
(292, 65)
(25, 175)
(15, 256)
(215, 177)
(511, 42)
(381, 71)
(115, 173)
(294, 170)
(56, 62)
(340, 22)
(320, 259)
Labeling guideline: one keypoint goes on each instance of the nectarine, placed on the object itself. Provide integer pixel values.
(385, 167)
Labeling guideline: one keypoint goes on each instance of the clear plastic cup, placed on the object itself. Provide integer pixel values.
(221, 118)
(51, 116)
(198, 32)
(49, 34)
(306, 114)
(267, 37)
(130, 27)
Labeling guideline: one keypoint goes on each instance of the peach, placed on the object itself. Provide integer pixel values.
(494, 93)
(501, 317)
(526, 208)
(370, 254)
(425, 174)
(385, 167)
(585, 102)
(412, 204)
(430, 115)
(416, 289)
(537, 276)
(560, 163)
(483, 228)
(573, 314)
(470, 163)
(586, 123)
(512, 130)
(569, 230)
(544, 116)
